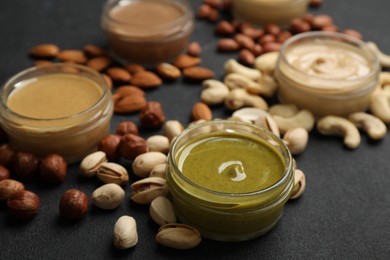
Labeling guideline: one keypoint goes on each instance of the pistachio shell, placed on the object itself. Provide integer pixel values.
(161, 211)
(113, 173)
(158, 170)
(145, 162)
(146, 190)
(91, 163)
(125, 232)
(178, 236)
(299, 184)
(108, 196)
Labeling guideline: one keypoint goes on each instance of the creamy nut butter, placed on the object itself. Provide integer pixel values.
(148, 31)
(65, 109)
(229, 179)
(262, 12)
(327, 73)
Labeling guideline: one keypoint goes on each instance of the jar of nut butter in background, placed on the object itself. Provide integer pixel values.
(147, 32)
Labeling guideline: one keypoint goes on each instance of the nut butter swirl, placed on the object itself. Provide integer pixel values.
(329, 61)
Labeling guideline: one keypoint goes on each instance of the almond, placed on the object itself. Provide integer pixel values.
(224, 28)
(119, 74)
(168, 71)
(201, 111)
(129, 104)
(198, 73)
(194, 49)
(185, 61)
(228, 45)
(74, 56)
(42, 62)
(94, 51)
(129, 91)
(247, 57)
(146, 79)
(134, 68)
(99, 63)
(244, 41)
(44, 51)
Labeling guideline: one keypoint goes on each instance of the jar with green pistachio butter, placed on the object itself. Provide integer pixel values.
(229, 179)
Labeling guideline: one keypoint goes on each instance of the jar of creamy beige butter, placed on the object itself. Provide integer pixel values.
(262, 12)
(327, 73)
(57, 108)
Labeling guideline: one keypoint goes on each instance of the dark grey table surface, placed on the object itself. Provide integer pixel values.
(344, 213)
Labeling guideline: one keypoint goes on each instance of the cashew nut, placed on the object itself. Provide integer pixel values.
(299, 184)
(284, 110)
(374, 127)
(265, 86)
(384, 59)
(232, 66)
(380, 105)
(384, 81)
(303, 118)
(238, 98)
(296, 140)
(266, 63)
(268, 86)
(214, 92)
(334, 125)
(249, 114)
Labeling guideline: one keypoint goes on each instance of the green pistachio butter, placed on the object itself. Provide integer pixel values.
(230, 163)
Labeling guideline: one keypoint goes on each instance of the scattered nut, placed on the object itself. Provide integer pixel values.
(127, 127)
(172, 128)
(108, 196)
(168, 71)
(238, 98)
(73, 204)
(232, 66)
(7, 154)
(296, 140)
(178, 236)
(24, 204)
(131, 146)
(144, 163)
(125, 232)
(374, 127)
(44, 51)
(90, 165)
(158, 143)
(75, 56)
(194, 49)
(53, 168)
(146, 190)
(201, 111)
(214, 92)
(186, 61)
(25, 165)
(109, 145)
(146, 79)
(8, 188)
(4, 173)
(158, 170)
(152, 115)
(198, 73)
(299, 184)
(112, 173)
(161, 211)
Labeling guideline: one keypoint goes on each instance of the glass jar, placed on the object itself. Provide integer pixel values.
(228, 216)
(72, 135)
(149, 31)
(327, 73)
(262, 12)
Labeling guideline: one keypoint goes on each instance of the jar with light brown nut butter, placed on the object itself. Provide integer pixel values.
(56, 108)
(147, 32)
(327, 73)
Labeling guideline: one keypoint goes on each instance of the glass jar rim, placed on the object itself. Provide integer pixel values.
(284, 178)
(58, 66)
(337, 37)
(110, 5)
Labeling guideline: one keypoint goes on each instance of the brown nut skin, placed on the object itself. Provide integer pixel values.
(7, 154)
(131, 146)
(24, 204)
(127, 127)
(25, 165)
(53, 168)
(73, 204)
(152, 115)
(4, 173)
(8, 188)
(110, 146)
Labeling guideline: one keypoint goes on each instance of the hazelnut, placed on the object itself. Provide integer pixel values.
(152, 115)
(8, 188)
(127, 127)
(24, 204)
(7, 154)
(4, 173)
(25, 165)
(52, 168)
(131, 146)
(73, 204)
(110, 146)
